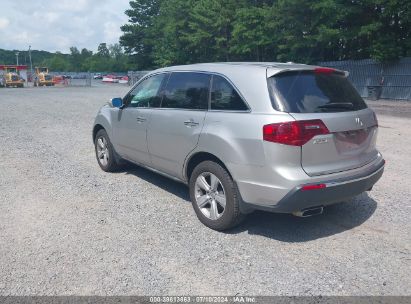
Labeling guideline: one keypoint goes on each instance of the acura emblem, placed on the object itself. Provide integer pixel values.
(359, 122)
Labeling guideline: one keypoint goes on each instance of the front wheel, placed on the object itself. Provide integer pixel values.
(215, 196)
(105, 152)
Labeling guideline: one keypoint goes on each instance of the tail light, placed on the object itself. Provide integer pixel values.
(313, 187)
(324, 71)
(329, 71)
(294, 133)
(375, 119)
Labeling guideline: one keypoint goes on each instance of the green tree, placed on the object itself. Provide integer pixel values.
(103, 50)
(75, 59)
(311, 31)
(115, 50)
(170, 46)
(119, 60)
(176, 31)
(253, 34)
(138, 38)
(97, 63)
(210, 28)
(57, 63)
(385, 28)
(84, 55)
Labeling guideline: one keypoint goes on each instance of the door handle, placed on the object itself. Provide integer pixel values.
(141, 119)
(191, 123)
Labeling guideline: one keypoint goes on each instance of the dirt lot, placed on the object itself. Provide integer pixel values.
(66, 227)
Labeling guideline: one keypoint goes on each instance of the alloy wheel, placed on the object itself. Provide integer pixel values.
(210, 195)
(103, 154)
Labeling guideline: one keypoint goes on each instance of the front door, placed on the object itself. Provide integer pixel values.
(130, 125)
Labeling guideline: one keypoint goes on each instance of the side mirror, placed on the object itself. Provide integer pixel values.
(117, 102)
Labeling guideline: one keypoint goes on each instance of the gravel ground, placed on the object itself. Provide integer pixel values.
(68, 228)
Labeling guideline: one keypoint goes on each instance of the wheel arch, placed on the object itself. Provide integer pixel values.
(198, 158)
(97, 128)
(100, 126)
(102, 121)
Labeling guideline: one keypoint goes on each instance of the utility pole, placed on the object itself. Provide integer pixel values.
(31, 64)
(17, 56)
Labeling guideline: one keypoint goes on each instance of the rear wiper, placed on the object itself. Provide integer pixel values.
(337, 105)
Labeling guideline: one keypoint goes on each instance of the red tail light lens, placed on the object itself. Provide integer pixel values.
(313, 187)
(324, 71)
(294, 133)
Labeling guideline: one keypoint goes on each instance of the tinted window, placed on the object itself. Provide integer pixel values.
(187, 91)
(309, 92)
(224, 96)
(145, 94)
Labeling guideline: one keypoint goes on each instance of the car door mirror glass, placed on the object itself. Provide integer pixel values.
(117, 102)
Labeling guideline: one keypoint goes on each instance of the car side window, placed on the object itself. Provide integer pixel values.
(145, 95)
(187, 90)
(224, 96)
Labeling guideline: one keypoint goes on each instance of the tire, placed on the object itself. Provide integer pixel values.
(208, 204)
(105, 153)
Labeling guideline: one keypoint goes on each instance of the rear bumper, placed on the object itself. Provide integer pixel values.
(334, 191)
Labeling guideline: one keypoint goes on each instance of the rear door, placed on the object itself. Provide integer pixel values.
(327, 95)
(175, 128)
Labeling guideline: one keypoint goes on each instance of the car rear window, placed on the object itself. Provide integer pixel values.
(313, 92)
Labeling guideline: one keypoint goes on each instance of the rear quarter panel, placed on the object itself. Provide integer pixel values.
(256, 166)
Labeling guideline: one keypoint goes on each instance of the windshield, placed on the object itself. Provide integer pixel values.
(310, 92)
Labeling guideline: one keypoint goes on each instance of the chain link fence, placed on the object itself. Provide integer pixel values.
(376, 80)
(372, 79)
(72, 79)
(68, 79)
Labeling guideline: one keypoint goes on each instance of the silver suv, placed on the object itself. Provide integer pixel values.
(287, 138)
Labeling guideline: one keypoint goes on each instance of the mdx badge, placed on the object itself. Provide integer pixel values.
(320, 141)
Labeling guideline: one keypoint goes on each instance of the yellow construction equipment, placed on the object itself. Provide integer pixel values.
(42, 77)
(12, 78)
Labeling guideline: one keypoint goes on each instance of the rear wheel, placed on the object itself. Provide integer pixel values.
(215, 196)
(105, 152)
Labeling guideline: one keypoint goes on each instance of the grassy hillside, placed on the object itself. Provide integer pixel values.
(38, 57)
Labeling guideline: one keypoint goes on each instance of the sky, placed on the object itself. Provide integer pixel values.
(56, 25)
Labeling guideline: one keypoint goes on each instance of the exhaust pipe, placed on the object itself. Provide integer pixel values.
(309, 212)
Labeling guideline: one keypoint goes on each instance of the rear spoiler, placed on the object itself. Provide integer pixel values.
(316, 69)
